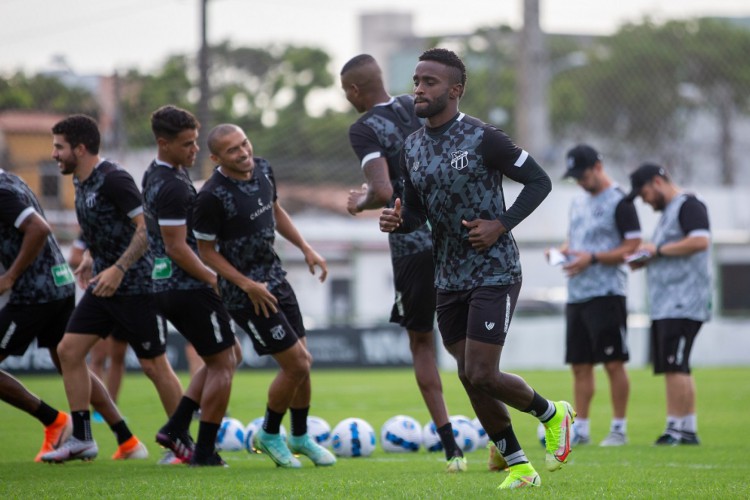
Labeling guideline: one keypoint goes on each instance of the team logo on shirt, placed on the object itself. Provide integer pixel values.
(415, 167)
(489, 325)
(90, 200)
(277, 332)
(460, 159)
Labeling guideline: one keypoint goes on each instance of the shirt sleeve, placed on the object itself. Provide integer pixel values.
(172, 204)
(626, 220)
(694, 218)
(13, 210)
(120, 188)
(501, 153)
(365, 143)
(207, 216)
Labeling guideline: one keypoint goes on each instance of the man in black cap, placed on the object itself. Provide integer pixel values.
(604, 228)
(678, 274)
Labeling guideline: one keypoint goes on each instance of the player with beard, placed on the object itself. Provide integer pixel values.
(377, 138)
(454, 168)
(110, 214)
(185, 289)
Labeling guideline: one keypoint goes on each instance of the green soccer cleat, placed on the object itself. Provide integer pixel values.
(521, 476)
(456, 464)
(557, 436)
(304, 445)
(275, 447)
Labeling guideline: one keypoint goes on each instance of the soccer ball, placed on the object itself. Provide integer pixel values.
(483, 437)
(401, 434)
(430, 439)
(319, 430)
(231, 435)
(353, 437)
(252, 429)
(467, 437)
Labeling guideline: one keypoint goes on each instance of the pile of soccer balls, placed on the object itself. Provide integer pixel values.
(355, 437)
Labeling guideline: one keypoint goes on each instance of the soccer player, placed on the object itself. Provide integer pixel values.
(41, 296)
(377, 138)
(678, 276)
(110, 213)
(236, 215)
(603, 229)
(184, 288)
(454, 169)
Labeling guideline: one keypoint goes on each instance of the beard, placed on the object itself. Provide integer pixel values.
(433, 107)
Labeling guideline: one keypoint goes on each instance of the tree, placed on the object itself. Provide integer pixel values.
(45, 92)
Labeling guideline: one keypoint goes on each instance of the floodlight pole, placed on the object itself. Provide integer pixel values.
(204, 109)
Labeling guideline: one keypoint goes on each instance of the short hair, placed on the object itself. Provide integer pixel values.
(79, 129)
(448, 58)
(217, 133)
(168, 121)
(357, 62)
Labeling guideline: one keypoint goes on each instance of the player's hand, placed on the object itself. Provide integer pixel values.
(6, 283)
(84, 270)
(354, 198)
(578, 262)
(640, 264)
(107, 282)
(263, 300)
(483, 233)
(390, 218)
(313, 258)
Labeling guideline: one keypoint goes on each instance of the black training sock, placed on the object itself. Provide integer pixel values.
(541, 408)
(508, 446)
(45, 414)
(207, 432)
(299, 420)
(272, 422)
(122, 431)
(182, 416)
(82, 425)
(449, 441)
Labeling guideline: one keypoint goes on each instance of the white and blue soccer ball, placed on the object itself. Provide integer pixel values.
(483, 437)
(430, 438)
(467, 437)
(401, 434)
(319, 430)
(353, 437)
(251, 429)
(231, 435)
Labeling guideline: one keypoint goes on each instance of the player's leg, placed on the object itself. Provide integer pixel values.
(579, 355)
(118, 349)
(619, 386)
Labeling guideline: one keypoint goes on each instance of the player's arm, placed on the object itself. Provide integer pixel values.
(109, 280)
(377, 190)
(177, 248)
(693, 219)
(409, 212)
(288, 230)
(35, 233)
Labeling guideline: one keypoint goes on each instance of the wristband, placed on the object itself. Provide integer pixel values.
(658, 251)
(118, 266)
(594, 260)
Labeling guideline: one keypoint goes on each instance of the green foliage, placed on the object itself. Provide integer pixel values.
(45, 93)
(715, 469)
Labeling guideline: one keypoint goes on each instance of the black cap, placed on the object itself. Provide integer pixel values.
(642, 175)
(579, 159)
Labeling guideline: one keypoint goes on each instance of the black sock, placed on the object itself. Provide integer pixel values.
(272, 422)
(205, 445)
(508, 446)
(299, 420)
(82, 425)
(449, 441)
(122, 431)
(541, 408)
(182, 416)
(45, 414)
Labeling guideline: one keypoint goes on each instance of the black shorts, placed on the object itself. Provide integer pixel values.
(414, 280)
(596, 331)
(482, 314)
(199, 316)
(21, 324)
(671, 343)
(280, 331)
(134, 317)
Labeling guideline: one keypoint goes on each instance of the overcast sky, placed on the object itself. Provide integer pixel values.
(99, 36)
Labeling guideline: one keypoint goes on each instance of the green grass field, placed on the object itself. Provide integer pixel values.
(716, 469)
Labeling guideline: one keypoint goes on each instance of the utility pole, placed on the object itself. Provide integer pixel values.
(533, 131)
(204, 110)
